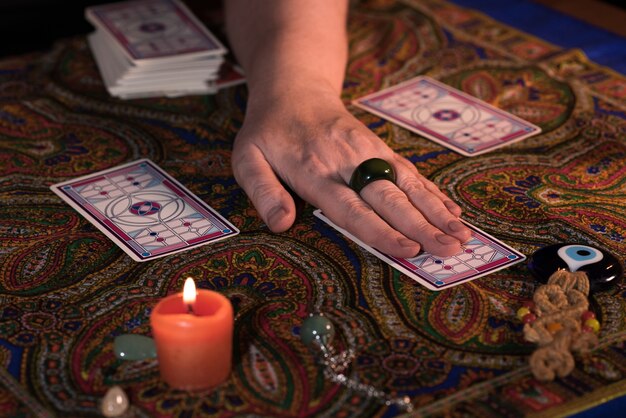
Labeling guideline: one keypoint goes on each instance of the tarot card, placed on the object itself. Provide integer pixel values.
(447, 116)
(480, 256)
(144, 210)
(153, 31)
(230, 75)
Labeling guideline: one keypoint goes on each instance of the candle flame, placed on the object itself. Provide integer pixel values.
(189, 291)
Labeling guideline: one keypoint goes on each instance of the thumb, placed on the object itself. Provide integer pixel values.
(271, 200)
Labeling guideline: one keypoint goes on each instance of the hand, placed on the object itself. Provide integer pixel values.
(307, 138)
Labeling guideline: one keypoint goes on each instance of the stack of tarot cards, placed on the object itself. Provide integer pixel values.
(148, 48)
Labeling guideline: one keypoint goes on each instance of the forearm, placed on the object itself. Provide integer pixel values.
(289, 45)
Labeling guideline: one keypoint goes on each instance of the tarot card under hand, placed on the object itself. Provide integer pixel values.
(480, 256)
(144, 210)
(447, 116)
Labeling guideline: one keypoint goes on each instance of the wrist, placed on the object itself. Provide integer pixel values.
(277, 89)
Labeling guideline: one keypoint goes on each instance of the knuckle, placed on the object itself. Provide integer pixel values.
(440, 212)
(356, 213)
(393, 198)
(422, 228)
(406, 163)
(432, 187)
(342, 126)
(412, 186)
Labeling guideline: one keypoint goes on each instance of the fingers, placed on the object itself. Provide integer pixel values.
(407, 176)
(398, 219)
(452, 207)
(254, 174)
(346, 209)
(427, 221)
(448, 203)
(433, 205)
(415, 207)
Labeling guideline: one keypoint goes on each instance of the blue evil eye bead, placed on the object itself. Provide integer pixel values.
(603, 269)
(576, 256)
(317, 328)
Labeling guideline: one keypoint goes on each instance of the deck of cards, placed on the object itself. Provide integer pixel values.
(149, 48)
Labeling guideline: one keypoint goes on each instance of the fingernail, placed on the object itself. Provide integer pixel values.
(451, 206)
(456, 225)
(275, 215)
(446, 239)
(405, 242)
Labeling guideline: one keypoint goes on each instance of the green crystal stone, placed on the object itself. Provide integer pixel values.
(134, 347)
(317, 327)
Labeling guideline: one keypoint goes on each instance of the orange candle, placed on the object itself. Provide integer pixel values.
(193, 333)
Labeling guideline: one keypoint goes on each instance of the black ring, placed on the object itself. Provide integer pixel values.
(369, 171)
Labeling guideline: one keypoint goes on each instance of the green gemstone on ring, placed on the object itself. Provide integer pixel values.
(369, 171)
(317, 327)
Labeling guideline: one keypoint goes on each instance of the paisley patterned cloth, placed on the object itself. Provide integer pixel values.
(66, 291)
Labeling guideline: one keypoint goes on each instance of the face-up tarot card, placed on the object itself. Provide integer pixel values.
(144, 210)
(447, 116)
(480, 256)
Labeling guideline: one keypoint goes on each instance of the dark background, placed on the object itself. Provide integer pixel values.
(31, 25)
(34, 25)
